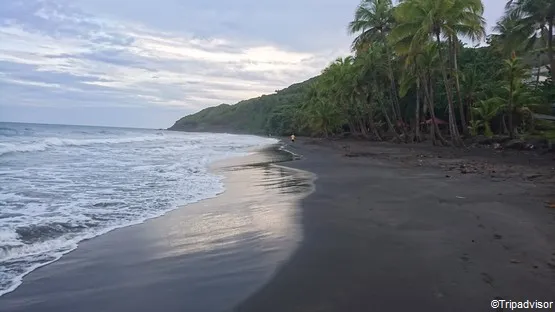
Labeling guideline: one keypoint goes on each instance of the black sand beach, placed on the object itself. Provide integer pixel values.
(385, 230)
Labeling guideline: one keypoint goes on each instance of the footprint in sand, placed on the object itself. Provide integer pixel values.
(488, 279)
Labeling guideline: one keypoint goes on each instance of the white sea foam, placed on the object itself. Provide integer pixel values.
(53, 195)
(51, 142)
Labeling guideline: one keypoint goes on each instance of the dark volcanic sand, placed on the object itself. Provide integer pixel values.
(396, 230)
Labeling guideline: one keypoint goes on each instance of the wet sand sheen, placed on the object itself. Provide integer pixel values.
(206, 256)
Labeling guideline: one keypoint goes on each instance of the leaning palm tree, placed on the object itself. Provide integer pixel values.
(425, 20)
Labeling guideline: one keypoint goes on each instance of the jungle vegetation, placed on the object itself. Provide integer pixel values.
(419, 70)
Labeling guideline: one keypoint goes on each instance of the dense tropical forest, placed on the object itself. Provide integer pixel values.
(418, 71)
(267, 114)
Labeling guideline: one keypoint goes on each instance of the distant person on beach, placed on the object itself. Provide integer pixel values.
(293, 138)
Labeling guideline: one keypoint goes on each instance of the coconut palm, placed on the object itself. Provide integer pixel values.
(423, 20)
(374, 69)
(514, 71)
(422, 65)
(512, 36)
(486, 110)
(372, 23)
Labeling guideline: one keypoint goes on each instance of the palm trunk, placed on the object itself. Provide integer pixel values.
(359, 116)
(487, 128)
(434, 128)
(458, 88)
(352, 127)
(373, 127)
(363, 128)
(455, 137)
(376, 131)
(427, 95)
(510, 109)
(393, 84)
(389, 124)
(417, 115)
(550, 50)
(345, 109)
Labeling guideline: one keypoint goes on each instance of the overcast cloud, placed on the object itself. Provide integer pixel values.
(145, 63)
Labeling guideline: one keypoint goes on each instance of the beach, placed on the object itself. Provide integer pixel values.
(340, 229)
(385, 232)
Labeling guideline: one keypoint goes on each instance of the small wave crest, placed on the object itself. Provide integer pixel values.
(40, 232)
(8, 131)
(47, 143)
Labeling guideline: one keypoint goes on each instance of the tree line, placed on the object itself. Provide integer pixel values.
(413, 75)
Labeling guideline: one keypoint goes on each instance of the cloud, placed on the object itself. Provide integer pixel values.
(162, 54)
(50, 45)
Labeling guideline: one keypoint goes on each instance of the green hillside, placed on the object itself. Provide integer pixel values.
(404, 83)
(267, 114)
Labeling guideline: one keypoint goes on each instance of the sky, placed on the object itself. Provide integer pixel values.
(146, 63)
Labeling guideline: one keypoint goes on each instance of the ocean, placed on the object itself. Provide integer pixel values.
(60, 185)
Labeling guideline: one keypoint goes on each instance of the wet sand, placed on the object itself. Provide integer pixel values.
(207, 256)
(385, 232)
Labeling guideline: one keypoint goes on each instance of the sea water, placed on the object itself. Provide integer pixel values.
(60, 185)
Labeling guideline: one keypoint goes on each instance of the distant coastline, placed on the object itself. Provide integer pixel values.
(72, 125)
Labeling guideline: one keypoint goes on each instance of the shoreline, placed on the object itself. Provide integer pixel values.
(255, 232)
(387, 229)
(111, 229)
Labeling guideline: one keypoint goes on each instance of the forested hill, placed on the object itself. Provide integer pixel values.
(267, 114)
(403, 82)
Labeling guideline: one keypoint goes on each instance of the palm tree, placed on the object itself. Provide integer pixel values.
(540, 16)
(515, 93)
(321, 114)
(369, 64)
(422, 20)
(338, 82)
(375, 68)
(420, 69)
(512, 36)
(514, 72)
(373, 22)
(486, 111)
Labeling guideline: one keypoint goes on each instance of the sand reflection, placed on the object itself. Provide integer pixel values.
(257, 211)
